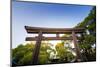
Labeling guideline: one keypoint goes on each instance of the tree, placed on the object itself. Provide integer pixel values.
(88, 41)
(63, 53)
(88, 47)
(22, 54)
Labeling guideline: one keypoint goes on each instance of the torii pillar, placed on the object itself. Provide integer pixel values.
(77, 50)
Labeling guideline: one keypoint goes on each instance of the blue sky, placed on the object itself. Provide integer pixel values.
(44, 15)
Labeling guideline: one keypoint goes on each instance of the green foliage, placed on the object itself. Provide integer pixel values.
(63, 53)
(22, 54)
(44, 55)
(88, 41)
(91, 16)
(43, 58)
(86, 46)
(27, 59)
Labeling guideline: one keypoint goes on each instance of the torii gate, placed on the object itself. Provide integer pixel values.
(40, 31)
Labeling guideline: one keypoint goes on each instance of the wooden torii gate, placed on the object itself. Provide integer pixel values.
(40, 31)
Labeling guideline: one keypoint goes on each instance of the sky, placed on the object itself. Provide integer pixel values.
(44, 15)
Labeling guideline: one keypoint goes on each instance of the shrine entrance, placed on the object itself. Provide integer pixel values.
(40, 31)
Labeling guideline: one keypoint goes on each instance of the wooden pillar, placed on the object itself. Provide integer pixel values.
(37, 48)
(78, 54)
(57, 35)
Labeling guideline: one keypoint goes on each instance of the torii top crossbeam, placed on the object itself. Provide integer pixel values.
(30, 29)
